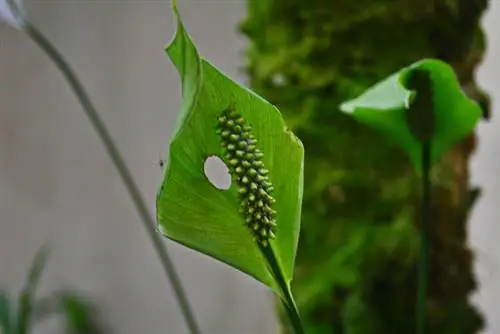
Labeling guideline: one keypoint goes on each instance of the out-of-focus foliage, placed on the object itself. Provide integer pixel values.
(356, 264)
(420, 102)
(19, 316)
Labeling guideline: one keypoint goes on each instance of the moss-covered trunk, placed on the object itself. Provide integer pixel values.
(356, 266)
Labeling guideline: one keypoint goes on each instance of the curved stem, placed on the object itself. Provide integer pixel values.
(288, 301)
(121, 167)
(425, 216)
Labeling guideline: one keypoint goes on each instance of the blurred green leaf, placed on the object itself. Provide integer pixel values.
(79, 315)
(27, 295)
(37, 267)
(383, 108)
(5, 313)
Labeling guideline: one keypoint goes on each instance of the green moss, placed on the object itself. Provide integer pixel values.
(356, 264)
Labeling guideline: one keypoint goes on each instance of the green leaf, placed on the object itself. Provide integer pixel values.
(79, 313)
(190, 210)
(383, 108)
(27, 295)
(37, 267)
(5, 313)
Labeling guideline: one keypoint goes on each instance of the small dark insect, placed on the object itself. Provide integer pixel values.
(160, 162)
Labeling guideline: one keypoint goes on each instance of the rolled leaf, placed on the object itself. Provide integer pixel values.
(383, 107)
(266, 163)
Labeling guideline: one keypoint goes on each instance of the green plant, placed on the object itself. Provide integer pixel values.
(21, 317)
(422, 107)
(359, 247)
(254, 225)
(424, 110)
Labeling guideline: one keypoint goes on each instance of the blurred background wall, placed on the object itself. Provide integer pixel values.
(484, 225)
(57, 186)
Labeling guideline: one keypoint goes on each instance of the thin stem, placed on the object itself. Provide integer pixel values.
(288, 301)
(121, 167)
(293, 316)
(425, 216)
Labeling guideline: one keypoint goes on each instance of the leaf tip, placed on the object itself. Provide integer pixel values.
(177, 19)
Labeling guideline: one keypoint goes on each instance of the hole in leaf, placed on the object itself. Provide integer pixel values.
(217, 173)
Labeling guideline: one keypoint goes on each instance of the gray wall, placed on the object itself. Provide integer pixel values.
(484, 229)
(58, 186)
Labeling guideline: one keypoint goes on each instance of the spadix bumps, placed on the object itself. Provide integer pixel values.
(245, 164)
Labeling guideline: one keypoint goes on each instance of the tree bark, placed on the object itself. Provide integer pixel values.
(356, 267)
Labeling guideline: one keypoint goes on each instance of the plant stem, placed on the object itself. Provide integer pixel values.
(121, 167)
(293, 316)
(288, 301)
(425, 216)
